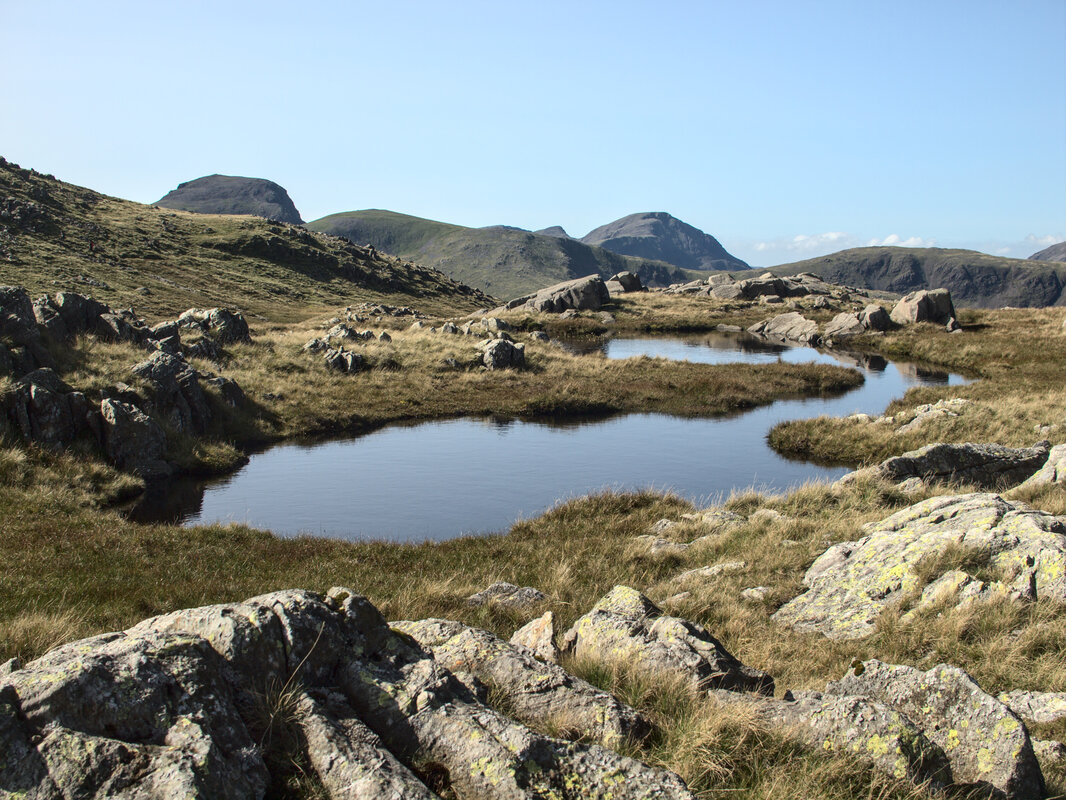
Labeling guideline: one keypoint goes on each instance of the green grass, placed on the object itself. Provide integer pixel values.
(272, 271)
(505, 262)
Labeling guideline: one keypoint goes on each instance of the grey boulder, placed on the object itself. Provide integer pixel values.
(986, 744)
(626, 627)
(925, 305)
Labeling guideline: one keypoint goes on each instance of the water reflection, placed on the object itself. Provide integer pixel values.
(437, 480)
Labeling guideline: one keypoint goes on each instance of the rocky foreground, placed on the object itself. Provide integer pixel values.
(195, 703)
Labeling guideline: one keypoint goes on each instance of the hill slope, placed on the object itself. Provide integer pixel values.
(228, 194)
(659, 236)
(1057, 252)
(56, 236)
(974, 279)
(506, 262)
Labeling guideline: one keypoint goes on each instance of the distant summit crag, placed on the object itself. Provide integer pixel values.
(228, 194)
(657, 235)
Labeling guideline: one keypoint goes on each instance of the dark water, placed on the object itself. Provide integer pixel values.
(437, 480)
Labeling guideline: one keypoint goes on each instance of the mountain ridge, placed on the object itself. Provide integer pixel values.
(660, 236)
(974, 279)
(501, 260)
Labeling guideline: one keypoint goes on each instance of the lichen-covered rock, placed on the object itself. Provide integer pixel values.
(350, 759)
(508, 595)
(859, 726)
(988, 466)
(851, 583)
(1036, 707)
(626, 627)
(925, 305)
(132, 440)
(985, 743)
(168, 709)
(539, 692)
(538, 636)
(1053, 470)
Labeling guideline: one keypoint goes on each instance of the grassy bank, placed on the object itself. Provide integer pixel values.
(1018, 396)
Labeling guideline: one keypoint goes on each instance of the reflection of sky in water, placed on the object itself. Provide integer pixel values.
(439, 479)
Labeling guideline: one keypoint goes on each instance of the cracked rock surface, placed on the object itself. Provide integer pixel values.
(173, 708)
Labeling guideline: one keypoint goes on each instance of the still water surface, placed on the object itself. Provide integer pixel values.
(437, 480)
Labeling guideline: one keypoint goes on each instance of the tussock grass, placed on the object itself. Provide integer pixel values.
(1018, 399)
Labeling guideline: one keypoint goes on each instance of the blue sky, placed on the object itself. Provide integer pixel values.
(785, 129)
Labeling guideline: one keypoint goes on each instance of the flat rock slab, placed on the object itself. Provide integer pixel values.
(508, 595)
(851, 583)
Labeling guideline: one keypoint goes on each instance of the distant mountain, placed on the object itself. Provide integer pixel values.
(659, 236)
(554, 230)
(1057, 252)
(974, 279)
(505, 262)
(228, 194)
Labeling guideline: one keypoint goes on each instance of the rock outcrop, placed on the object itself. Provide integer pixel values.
(988, 466)
(1053, 470)
(225, 325)
(625, 627)
(580, 294)
(168, 709)
(540, 693)
(852, 583)
(502, 354)
(177, 396)
(132, 440)
(986, 745)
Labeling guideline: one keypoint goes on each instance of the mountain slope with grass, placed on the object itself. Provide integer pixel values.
(56, 236)
(1057, 252)
(503, 261)
(974, 279)
(662, 237)
(231, 194)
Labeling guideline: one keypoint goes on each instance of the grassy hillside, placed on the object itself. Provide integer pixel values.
(975, 279)
(55, 236)
(505, 262)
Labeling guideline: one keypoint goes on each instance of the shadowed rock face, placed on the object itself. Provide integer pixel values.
(659, 236)
(168, 709)
(227, 194)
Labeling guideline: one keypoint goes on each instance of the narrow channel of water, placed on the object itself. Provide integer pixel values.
(438, 480)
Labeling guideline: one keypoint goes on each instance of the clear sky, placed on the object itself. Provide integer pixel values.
(785, 129)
